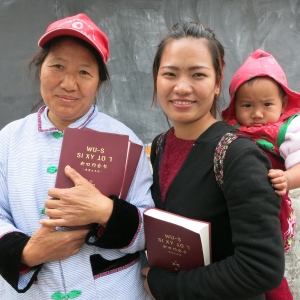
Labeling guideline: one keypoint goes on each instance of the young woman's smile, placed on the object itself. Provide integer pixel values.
(186, 82)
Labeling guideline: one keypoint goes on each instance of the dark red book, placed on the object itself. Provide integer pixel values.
(134, 153)
(100, 157)
(175, 242)
(133, 157)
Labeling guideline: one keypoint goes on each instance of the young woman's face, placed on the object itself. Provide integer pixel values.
(69, 82)
(186, 80)
(259, 103)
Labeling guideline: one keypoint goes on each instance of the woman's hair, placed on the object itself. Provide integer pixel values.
(40, 57)
(195, 30)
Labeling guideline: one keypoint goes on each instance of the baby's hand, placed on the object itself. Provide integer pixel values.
(279, 181)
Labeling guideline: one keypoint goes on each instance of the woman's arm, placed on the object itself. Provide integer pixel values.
(48, 244)
(125, 229)
(21, 256)
(120, 222)
(258, 261)
(12, 240)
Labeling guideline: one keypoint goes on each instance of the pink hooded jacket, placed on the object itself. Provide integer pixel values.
(258, 64)
(261, 63)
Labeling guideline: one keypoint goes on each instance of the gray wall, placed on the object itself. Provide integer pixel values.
(134, 28)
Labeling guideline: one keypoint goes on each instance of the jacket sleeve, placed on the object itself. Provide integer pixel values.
(258, 261)
(125, 230)
(12, 243)
(290, 148)
(11, 248)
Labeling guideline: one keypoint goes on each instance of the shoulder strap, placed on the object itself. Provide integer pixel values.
(159, 142)
(156, 146)
(220, 153)
(283, 129)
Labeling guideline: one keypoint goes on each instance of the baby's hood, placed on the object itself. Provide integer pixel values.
(260, 63)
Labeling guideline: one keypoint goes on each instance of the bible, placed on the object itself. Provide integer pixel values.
(133, 156)
(175, 242)
(107, 160)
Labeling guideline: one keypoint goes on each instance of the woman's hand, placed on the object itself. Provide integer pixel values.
(48, 244)
(80, 205)
(145, 273)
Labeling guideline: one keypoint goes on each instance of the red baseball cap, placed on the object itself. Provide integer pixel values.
(79, 26)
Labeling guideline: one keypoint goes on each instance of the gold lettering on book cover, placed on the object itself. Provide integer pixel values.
(94, 163)
(176, 265)
(173, 245)
(91, 157)
(94, 149)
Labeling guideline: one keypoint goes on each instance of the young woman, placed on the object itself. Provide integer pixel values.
(247, 247)
(40, 262)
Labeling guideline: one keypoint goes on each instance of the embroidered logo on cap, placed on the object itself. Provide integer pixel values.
(77, 25)
(272, 61)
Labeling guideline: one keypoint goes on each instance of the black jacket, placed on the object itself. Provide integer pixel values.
(247, 246)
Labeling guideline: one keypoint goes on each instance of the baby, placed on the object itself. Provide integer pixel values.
(265, 109)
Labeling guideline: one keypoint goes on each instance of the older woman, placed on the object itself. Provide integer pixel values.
(102, 262)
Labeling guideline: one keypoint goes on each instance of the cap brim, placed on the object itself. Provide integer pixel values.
(68, 32)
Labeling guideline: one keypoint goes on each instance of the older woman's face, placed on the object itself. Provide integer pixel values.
(69, 82)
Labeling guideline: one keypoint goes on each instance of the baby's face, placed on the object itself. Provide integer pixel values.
(259, 103)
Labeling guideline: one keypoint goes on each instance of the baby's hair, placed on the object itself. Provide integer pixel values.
(195, 30)
(282, 93)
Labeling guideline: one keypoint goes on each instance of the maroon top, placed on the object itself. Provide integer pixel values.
(175, 152)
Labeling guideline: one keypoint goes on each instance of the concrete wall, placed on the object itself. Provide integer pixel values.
(293, 256)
